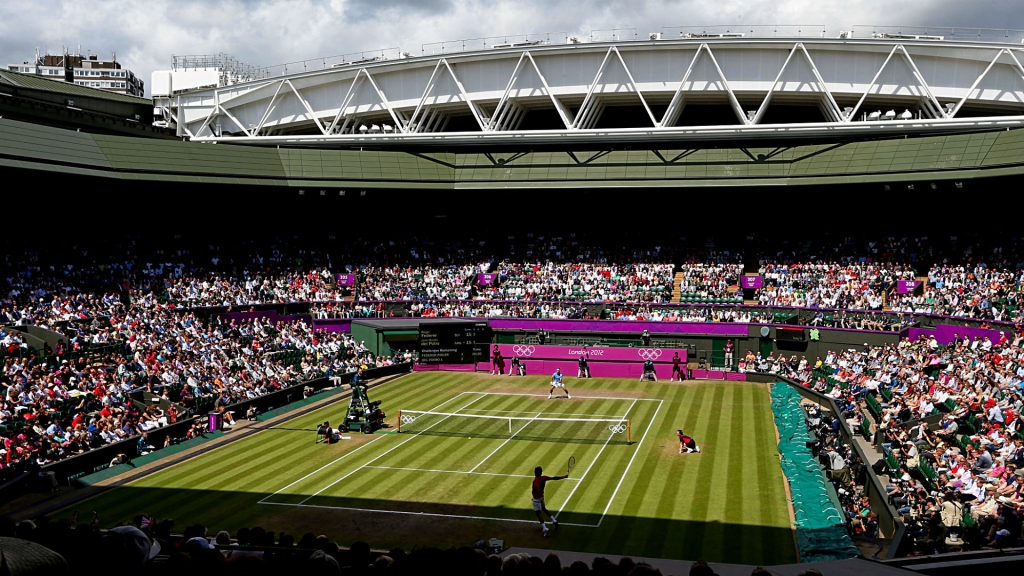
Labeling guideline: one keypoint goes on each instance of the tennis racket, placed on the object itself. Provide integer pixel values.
(572, 462)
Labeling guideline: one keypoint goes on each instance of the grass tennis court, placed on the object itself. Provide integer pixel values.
(455, 479)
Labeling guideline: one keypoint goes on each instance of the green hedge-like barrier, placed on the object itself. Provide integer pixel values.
(820, 523)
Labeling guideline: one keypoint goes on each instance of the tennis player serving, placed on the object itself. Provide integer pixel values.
(556, 382)
(539, 482)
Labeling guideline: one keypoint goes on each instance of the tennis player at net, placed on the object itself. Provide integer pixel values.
(556, 382)
(539, 482)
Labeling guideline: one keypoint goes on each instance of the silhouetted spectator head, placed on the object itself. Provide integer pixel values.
(701, 568)
(322, 564)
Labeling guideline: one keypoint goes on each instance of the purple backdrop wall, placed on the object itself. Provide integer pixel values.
(594, 353)
(944, 333)
(635, 327)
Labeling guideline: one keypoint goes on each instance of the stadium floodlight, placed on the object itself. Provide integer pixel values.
(877, 114)
(907, 114)
(890, 114)
(363, 128)
(388, 128)
(375, 129)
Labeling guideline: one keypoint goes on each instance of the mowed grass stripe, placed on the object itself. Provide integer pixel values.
(705, 476)
(740, 489)
(774, 521)
(666, 476)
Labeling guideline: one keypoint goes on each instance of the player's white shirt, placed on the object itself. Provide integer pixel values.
(556, 380)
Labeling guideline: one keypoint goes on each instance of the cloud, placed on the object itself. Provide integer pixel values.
(268, 32)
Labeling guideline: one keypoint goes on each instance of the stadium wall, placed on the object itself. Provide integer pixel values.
(933, 158)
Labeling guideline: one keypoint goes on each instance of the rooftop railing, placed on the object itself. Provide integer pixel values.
(240, 71)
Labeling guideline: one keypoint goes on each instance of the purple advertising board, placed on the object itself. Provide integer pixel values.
(633, 326)
(594, 353)
(345, 280)
(485, 279)
(751, 282)
(906, 286)
(944, 333)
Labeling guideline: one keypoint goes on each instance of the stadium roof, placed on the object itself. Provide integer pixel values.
(39, 83)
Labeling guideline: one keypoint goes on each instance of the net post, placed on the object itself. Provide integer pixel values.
(629, 433)
(399, 420)
(510, 425)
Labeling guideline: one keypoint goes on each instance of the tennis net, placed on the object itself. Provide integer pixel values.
(525, 427)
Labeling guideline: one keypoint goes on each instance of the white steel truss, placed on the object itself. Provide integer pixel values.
(829, 107)
(263, 110)
(974, 86)
(928, 99)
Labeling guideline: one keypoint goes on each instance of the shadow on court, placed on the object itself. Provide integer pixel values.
(386, 524)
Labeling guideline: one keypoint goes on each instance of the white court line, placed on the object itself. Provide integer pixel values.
(637, 451)
(454, 472)
(505, 442)
(471, 410)
(393, 448)
(592, 462)
(425, 514)
(343, 456)
(584, 397)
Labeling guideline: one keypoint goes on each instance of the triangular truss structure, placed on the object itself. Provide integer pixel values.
(1012, 61)
(928, 101)
(508, 114)
(274, 105)
(590, 111)
(827, 103)
(675, 106)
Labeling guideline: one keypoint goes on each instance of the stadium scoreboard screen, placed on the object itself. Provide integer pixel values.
(454, 342)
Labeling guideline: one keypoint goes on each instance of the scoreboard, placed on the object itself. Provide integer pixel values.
(454, 342)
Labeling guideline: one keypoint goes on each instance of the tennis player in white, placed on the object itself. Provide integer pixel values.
(556, 382)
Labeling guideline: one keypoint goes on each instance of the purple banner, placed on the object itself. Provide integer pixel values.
(597, 369)
(945, 333)
(906, 286)
(333, 325)
(751, 282)
(485, 279)
(345, 280)
(635, 327)
(594, 353)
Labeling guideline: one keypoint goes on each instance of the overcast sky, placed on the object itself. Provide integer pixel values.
(268, 32)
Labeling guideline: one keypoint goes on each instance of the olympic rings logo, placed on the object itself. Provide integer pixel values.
(520, 350)
(617, 428)
(649, 353)
(408, 419)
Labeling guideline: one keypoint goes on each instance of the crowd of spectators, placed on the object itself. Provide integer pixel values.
(582, 282)
(856, 285)
(55, 406)
(709, 278)
(972, 291)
